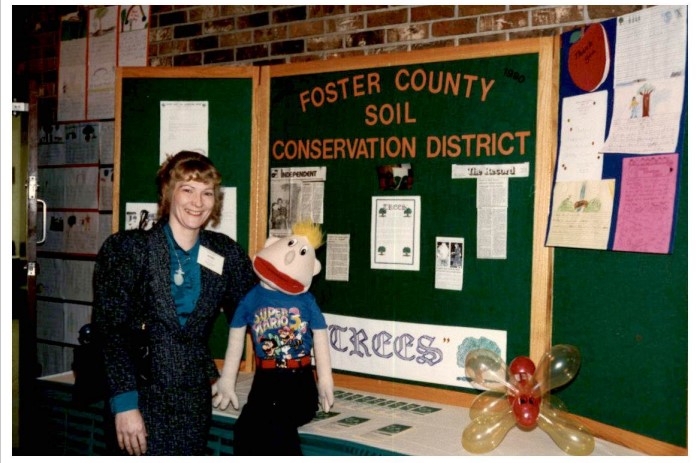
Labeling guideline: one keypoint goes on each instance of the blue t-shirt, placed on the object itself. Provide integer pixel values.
(281, 324)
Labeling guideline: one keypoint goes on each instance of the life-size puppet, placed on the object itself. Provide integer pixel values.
(285, 323)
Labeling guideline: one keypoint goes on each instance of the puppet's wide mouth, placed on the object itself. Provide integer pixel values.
(285, 283)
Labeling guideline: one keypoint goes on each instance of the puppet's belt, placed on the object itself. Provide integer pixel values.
(268, 364)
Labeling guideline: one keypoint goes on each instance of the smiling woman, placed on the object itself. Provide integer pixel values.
(192, 203)
(188, 166)
(167, 284)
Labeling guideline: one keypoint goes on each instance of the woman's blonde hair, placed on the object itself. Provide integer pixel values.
(188, 166)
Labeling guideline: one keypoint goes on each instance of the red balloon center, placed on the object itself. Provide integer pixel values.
(523, 398)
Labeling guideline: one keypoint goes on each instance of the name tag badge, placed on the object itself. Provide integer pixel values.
(210, 260)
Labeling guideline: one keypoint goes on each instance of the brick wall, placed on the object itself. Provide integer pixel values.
(212, 35)
(238, 34)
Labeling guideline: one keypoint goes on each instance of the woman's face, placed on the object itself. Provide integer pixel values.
(192, 203)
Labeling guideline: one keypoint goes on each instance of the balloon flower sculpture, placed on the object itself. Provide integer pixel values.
(520, 395)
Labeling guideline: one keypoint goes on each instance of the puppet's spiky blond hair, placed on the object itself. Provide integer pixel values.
(311, 231)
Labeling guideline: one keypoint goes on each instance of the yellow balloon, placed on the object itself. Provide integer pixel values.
(557, 367)
(492, 416)
(487, 431)
(489, 402)
(570, 435)
(486, 370)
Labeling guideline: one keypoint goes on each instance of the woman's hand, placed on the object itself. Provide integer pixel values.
(131, 432)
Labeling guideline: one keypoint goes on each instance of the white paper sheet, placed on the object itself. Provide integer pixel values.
(74, 278)
(411, 351)
(449, 262)
(82, 143)
(583, 124)
(464, 171)
(581, 214)
(104, 228)
(106, 142)
(81, 232)
(51, 149)
(140, 215)
(395, 233)
(55, 231)
(337, 257)
(106, 188)
(69, 187)
(49, 278)
(492, 192)
(297, 193)
(71, 69)
(646, 117)
(651, 44)
(491, 232)
(183, 126)
(101, 62)
(65, 279)
(133, 32)
(81, 188)
(228, 221)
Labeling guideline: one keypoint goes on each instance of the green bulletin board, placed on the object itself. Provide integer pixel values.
(627, 311)
(434, 111)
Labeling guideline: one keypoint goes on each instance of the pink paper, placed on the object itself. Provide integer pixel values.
(646, 204)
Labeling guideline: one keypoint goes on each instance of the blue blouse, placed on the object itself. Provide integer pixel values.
(185, 295)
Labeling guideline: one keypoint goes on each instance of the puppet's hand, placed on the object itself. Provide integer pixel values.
(325, 387)
(324, 377)
(224, 394)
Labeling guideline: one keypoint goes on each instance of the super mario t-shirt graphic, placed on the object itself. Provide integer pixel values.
(279, 332)
(280, 324)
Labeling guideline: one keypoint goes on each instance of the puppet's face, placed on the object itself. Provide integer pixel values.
(287, 264)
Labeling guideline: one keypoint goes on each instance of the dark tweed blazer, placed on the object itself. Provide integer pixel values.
(132, 287)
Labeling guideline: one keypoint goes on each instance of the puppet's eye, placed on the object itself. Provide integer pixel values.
(292, 242)
(303, 251)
